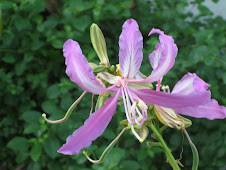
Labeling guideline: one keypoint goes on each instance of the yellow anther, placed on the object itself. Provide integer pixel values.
(118, 71)
(142, 105)
(133, 107)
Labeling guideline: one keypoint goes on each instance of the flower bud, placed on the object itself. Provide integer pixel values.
(168, 117)
(99, 44)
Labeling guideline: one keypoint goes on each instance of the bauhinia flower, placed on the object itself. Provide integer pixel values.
(128, 84)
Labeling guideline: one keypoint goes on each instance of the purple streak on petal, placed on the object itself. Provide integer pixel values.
(190, 83)
(211, 110)
(172, 100)
(93, 127)
(163, 58)
(78, 68)
(130, 48)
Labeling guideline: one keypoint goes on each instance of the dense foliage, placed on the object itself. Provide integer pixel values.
(33, 80)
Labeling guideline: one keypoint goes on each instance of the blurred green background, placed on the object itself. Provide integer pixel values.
(33, 80)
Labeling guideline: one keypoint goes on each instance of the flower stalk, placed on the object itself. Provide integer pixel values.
(169, 155)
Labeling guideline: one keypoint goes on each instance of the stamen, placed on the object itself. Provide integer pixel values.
(133, 107)
(133, 116)
(136, 135)
(67, 115)
(164, 88)
(159, 85)
(131, 97)
(143, 116)
(133, 113)
(125, 106)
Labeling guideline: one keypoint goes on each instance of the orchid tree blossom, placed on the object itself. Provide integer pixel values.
(130, 86)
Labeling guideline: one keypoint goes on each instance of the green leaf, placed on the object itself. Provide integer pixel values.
(31, 128)
(204, 10)
(34, 166)
(18, 144)
(51, 145)
(31, 116)
(50, 107)
(53, 91)
(21, 156)
(36, 152)
(129, 164)
(8, 59)
(80, 24)
(21, 23)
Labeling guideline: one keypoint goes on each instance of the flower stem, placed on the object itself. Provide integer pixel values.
(169, 155)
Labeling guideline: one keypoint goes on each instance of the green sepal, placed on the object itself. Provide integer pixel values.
(139, 86)
(124, 123)
(144, 132)
(187, 122)
(99, 69)
(194, 151)
(100, 101)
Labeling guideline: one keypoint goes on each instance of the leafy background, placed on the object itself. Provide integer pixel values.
(33, 80)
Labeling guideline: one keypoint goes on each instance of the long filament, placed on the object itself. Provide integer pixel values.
(125, 106)
(67, 115)
(142, 116)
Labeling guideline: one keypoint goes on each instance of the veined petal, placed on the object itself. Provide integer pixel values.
(79, 70)
(172, 100)
(130, 48)
(190, 83)
(163, 58)
(93, 127)
(211, 110)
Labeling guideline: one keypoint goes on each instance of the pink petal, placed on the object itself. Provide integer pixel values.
(78, 68)
(211, 110)
(130, 49)
(163, 58)
(190, 83)
(172, 100)
(93, 127)
(155, 56)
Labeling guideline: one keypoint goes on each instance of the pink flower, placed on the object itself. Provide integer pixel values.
(133, 87)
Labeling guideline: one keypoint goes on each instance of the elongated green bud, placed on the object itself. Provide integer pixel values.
(99, 44)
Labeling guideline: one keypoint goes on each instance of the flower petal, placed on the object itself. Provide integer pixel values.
(130, 48)
(163, 58)
(211, 110)
(78, 68)
(190, 83)
(93, 127)
(172, 100)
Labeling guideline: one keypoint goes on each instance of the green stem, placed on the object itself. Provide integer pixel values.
(169, 155)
